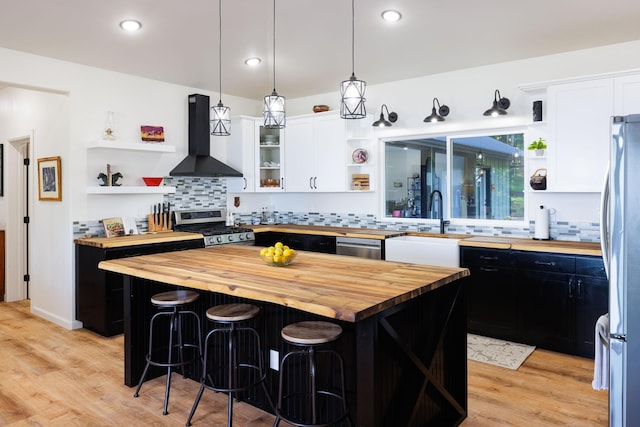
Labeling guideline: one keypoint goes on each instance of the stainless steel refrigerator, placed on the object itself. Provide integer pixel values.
(620, 241)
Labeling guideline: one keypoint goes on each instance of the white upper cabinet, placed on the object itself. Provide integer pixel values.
(241, 153)
(314, 154)
(627, 95)
(578, 116)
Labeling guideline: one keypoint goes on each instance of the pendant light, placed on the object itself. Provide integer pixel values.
(274, 114)
(220, 121)
(352, 90)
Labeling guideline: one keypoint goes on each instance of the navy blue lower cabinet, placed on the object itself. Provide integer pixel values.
(491, 292)
(544, 299)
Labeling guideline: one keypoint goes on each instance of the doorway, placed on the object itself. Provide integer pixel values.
(19, 205)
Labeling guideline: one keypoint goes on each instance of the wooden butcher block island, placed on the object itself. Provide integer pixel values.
(404, 339)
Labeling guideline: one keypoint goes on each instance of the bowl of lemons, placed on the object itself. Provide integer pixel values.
(278, 255)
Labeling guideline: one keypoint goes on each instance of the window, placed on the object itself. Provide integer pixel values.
(478, 176)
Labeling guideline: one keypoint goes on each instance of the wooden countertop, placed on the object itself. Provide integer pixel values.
(137, 239)
(319, 230)
(558, 246)
(340, 287)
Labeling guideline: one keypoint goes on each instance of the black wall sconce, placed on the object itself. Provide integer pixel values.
(499, 107)
(381, 122)
(443, 111)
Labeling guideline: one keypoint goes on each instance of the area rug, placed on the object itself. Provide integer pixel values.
(506, 354)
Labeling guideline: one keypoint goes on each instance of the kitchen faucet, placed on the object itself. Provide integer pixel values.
(443, 223)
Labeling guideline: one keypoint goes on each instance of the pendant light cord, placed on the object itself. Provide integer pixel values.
(274, 45)
(220, 49)
(353, 36)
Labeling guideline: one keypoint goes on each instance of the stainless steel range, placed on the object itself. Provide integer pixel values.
(211, 223)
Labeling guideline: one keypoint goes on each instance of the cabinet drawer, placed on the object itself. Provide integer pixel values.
(590, 266)
(548, 262)
(479, 257)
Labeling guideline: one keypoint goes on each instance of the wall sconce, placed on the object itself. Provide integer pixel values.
(499, 107)
(381, 122)
(443, 111)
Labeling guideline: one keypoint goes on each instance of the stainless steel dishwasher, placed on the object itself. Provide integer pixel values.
(354, 246)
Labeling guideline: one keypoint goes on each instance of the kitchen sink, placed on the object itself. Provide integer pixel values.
(438, 251)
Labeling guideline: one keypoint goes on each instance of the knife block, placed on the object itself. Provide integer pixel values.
(162, 225)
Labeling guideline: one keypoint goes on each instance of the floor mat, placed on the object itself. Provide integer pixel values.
(497, 352)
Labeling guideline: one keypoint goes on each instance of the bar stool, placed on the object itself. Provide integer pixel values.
(238, 375)
(170, 305)
(309, 335)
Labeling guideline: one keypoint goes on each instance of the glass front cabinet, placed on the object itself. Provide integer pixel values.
(270, 152)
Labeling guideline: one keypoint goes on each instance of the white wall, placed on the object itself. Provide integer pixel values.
(469, 93)
(85, 94)
(64, 106)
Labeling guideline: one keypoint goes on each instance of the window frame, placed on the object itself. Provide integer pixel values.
(449, 136)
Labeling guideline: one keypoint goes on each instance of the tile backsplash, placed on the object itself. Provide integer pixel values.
(199, 192)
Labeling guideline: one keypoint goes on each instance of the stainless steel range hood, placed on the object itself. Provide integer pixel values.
(199, 161)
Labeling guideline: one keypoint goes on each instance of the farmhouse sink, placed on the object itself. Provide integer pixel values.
(439, 251)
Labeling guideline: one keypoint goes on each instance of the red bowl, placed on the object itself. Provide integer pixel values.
(152, 181)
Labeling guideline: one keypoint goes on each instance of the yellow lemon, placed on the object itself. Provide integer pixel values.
(279, 245)
(263, 252)
(277, 258)
(287, 252)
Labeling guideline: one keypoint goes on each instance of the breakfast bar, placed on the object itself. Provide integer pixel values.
(404, 325)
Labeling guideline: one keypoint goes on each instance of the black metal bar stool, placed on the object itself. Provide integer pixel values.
(319, 402)
(170, 305)
(239, 375)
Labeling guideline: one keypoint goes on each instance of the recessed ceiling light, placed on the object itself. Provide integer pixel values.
(252, 62)
(391, 15)
(130, 25)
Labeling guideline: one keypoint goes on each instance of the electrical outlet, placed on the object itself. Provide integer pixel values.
(274, 360)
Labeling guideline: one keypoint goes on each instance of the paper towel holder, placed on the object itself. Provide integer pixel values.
(542, 226)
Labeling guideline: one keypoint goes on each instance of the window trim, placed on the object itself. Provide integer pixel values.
(449, 135)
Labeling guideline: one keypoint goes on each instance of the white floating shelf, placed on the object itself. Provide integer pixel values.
(130, 189)
(136, 146)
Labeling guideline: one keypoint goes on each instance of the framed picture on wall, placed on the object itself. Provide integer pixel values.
(49, 179)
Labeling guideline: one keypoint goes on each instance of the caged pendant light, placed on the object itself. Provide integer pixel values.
(219, 119)
(352, 90)
(274, 113)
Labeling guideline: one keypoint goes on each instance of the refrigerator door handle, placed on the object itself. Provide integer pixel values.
(620, 337)
(605, 243)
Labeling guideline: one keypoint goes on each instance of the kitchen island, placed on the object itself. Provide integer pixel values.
(404, 339)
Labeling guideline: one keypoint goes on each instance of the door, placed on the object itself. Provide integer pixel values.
(16, 164)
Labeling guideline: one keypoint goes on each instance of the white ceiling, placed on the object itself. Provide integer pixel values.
(178, 42)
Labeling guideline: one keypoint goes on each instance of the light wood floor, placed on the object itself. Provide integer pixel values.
(50, 376)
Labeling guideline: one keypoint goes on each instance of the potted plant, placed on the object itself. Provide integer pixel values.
(538, 146)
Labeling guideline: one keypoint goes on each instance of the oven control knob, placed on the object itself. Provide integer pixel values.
(219, 239)
(230, 238)
(241, 236)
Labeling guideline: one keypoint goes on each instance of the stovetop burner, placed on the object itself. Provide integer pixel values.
(211, 223)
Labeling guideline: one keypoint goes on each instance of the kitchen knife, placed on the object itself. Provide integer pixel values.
(160, 216)
(155, 218)
(168, 215)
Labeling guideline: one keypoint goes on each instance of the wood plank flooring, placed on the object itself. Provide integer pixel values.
(50, 376)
